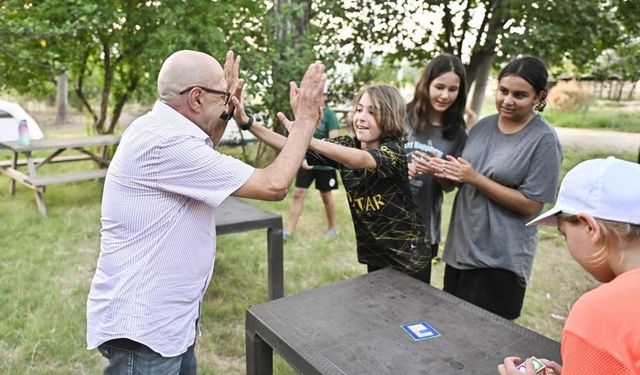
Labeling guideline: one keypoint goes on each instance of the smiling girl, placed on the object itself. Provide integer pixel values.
(509, 168)
(435, 125)
(373, 166)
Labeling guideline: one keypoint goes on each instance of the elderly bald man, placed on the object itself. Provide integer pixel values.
(158, 210)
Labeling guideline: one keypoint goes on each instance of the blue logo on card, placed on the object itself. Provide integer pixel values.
(420, 331)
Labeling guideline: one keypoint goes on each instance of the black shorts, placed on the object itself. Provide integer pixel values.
(326, 179)
(492, 289)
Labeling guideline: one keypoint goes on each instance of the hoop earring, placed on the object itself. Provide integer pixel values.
(542, 103)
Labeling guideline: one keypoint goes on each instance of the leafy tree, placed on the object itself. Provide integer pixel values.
(629, 49)
(623, 63)
(110, 49)
(481, 32)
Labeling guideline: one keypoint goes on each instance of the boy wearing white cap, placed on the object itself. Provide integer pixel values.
(598, 212)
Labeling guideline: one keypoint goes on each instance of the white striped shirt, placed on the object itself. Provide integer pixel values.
(158, 232)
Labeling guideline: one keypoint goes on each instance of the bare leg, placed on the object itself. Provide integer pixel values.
(329, 208)
(299, 194)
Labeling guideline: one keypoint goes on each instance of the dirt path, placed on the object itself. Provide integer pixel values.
(597, 139)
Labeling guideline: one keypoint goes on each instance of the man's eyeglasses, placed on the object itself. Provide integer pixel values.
(225, 94)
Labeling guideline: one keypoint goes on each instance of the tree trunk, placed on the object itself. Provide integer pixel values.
(610, 93)
(601, 90)
(620, 88)
(108, 70)
(62, 98)
(121, 101)
(480, 87)
(290, 30)
(633, 89)
(79, 88)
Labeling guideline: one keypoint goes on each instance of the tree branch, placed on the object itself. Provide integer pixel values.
(447, 23)
(80, 86)
(464, 26)
(134, 79)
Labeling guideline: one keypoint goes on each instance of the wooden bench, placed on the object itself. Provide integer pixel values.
(39, 183)
(65, 177)
(37, 161)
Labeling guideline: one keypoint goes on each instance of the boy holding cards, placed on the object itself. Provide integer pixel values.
(538, 366)
(598, 212)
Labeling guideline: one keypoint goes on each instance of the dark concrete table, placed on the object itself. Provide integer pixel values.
(235, 215)
(354, 327)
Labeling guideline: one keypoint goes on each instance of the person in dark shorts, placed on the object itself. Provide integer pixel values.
(325, 177)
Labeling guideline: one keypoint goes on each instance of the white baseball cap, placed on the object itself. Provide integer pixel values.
(606, 189)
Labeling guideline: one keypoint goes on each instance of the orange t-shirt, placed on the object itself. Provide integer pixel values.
(602, 333)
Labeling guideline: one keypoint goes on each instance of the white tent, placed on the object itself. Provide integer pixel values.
(10, 116)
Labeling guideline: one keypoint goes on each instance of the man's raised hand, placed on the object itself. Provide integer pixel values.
(307, 100)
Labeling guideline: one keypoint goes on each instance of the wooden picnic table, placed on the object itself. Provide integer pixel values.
(93, 148)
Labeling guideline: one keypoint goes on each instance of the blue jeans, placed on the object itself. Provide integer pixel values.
(136, 359)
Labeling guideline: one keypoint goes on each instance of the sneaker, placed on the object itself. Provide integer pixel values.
(330, 233)
(286, 235)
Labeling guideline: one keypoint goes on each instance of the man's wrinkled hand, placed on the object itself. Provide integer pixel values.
(307, 100)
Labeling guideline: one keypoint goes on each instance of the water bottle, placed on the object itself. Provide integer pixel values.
(23, 133)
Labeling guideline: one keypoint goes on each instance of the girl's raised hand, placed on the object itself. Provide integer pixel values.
(294, 91)
(236, 104)
(285, 121)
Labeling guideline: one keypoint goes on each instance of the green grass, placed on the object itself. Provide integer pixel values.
(597, 118)
(47, 266)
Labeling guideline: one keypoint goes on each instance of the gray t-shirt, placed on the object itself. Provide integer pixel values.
(483, 234)
(425, 189)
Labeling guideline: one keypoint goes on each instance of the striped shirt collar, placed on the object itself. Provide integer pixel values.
(177, 120)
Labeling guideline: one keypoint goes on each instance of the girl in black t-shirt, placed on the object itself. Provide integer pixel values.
(373, 165)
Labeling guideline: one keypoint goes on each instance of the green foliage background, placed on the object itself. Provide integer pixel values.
(112, 50)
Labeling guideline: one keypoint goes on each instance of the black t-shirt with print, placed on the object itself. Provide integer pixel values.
(388, 229)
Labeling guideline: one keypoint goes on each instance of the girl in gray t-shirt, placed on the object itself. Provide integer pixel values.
(509, 168)
(435, 126)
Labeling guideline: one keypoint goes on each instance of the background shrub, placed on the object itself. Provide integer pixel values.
(567, 96)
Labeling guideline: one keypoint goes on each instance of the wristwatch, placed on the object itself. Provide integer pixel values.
(246, 126)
